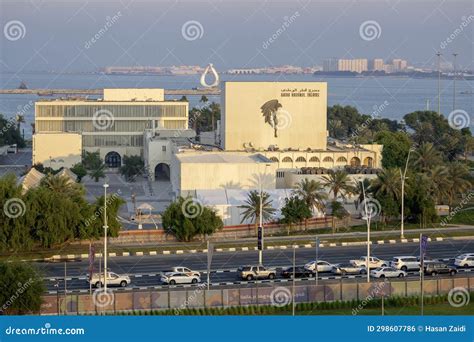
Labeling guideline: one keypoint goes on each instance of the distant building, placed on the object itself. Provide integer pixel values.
(353, 65)
(330, 65)
(114, 125)
(377, 64)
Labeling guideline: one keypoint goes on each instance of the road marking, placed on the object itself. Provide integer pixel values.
(125, 254)
(392, 241)
(179, 251)
(153, 253)
(380, 242)
(139, 253)
(166, 252)
(245, 248)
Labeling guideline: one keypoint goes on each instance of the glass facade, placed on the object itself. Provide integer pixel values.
(126, 124)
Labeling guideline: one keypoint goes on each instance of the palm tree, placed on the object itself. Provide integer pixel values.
(388, 183)
(252, 208)
(360, 187)
(458, 175)
(338, 183)
(426, 157)
(62, 185)
(19, 120)
(97, 172)
(312, 192)
(440, 184)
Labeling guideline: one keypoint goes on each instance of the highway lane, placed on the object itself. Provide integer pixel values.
(144, 269)
(231, 260)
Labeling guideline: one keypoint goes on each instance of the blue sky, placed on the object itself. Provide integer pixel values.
(57, 35)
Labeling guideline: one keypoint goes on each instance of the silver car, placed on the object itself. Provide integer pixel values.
(173, 278)
(344, 269)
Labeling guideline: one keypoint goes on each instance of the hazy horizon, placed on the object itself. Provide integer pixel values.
(87, 35)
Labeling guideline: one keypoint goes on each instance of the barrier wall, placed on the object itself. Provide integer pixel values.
(263, 294)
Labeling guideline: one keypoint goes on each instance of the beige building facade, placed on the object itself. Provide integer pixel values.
(114, 125)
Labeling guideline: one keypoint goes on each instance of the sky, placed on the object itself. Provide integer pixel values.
(70, 36)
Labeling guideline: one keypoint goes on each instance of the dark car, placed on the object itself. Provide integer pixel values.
(434, 268)
(300, 272)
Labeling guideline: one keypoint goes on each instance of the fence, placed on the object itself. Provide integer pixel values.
(263, 294)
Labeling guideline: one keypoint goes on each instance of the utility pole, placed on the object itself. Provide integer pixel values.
(294, 276)
(65, 288)
(367, 218)
(439, 54)
(316, 261)
(260, 225)
(403, 178)
(105, 236)
(454, 81)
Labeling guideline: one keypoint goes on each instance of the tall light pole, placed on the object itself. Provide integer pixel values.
(260, 224)
(403, 177)
(367, 219)
(105, 236)
(439, 54)
(454, 81)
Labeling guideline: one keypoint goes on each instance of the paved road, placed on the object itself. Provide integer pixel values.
(145, 269)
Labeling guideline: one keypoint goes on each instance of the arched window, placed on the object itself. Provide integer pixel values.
(342, 160)
(369, 162)
(355, 162)
(287, 160)
(328, 160)
(274, 159)
(300, 160)
(314, 160)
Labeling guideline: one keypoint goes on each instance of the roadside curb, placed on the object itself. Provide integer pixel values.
(58, 258)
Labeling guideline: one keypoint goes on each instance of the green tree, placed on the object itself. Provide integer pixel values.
(338, 211)
(338, 183)
(426, 157)
(97, 173)
(295, 211)
(92, 160)
(187, 218)
(22, 288)
(79, 170)
(251, 208)
(94, 223)
(133, 166)
(395, 148)
(9, 133)
(312, 192)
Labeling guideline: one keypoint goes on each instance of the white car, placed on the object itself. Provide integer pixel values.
(373, 262)
(181, 269)
(173, 278)
(323, 266)
(387, 272)
(405, 263)
(464, 260)
(97, 279)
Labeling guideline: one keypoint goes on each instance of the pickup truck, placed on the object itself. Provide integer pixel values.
(97, 279)
(256, 272)
(373, 262)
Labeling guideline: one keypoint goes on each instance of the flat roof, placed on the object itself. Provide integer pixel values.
(222, 158)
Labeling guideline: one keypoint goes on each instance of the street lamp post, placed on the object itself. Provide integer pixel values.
(439, 54)
(403, 178)
(105, 236)
(260, 224)
(454, 81)
(367, 219)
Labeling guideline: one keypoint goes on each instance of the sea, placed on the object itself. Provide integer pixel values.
(386, 97)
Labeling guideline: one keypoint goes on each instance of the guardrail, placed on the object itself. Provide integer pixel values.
(263, 293)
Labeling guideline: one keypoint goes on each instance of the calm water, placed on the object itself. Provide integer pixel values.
(403, 95)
